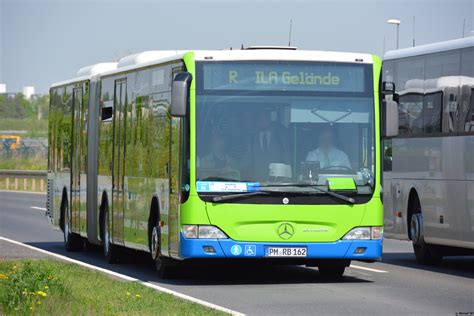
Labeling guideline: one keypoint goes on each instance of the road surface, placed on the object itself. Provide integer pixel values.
(395, 286)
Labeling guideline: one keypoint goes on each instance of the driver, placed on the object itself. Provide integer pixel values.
(218, 157)
(327, 154)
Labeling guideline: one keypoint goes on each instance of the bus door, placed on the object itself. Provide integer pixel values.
(118, 158)
(76, 160)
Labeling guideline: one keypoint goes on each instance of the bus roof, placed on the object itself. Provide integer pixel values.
(149, 58)
(85, 73)
(430, 48)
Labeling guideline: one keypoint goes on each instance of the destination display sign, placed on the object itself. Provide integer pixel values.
(284, 76)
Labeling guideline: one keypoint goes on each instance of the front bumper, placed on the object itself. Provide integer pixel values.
(231, 249)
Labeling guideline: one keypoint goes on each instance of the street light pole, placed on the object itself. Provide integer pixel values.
(397, 23)
(398, 38)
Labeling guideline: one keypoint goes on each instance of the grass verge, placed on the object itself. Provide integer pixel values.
(51, 287)
(34, 127)
(34, 163)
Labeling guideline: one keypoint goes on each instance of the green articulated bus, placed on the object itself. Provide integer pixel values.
(264, 153)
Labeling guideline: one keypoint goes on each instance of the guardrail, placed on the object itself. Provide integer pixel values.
(32, 180)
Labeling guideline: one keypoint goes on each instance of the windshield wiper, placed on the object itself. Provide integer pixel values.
(303, 185)
(238, 195)
(267, 192)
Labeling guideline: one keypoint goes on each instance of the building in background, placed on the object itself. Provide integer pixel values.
(28, 92)
(3, 91)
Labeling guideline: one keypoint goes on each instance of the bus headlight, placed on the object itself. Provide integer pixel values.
(364, 233)
(203, 231)
(358, 233)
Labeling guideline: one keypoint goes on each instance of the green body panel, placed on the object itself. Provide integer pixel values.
(193, 211)
(313, 223)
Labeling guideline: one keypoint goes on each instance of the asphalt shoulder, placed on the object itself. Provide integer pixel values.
(11, 251)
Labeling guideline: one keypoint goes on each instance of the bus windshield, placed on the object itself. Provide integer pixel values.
(284, 122)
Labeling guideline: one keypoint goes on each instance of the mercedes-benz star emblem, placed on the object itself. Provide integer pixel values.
(285, 231)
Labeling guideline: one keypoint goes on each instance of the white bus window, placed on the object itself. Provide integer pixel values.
(409, 71)
(467, 90)
(432, 111)
(409, 113)
(442, 78)
(442, 65)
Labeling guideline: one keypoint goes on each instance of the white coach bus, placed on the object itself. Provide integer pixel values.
(429, 167)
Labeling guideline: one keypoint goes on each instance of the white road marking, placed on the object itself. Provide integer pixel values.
(368, 269)
(128, 278)
(38, 208)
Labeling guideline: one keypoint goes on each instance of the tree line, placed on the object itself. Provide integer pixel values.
(18, 107)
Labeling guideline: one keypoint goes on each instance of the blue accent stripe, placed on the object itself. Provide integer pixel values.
(228, 248)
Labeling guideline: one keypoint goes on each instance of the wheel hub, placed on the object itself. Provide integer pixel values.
(66, 226)
(106, 234)
(415, 228)
(155, 243)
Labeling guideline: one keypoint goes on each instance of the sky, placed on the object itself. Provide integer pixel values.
(46, 41)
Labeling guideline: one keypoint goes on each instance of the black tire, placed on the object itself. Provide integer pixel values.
(425, 253)
(332, 271)
(165, 267)
(111, 251)
(72, 241)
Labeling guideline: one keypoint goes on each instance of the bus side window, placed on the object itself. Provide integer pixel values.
(466, 120)
(409, 74)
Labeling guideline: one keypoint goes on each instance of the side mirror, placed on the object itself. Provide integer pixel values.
(389, 118)
(388, 87)
(180, 94)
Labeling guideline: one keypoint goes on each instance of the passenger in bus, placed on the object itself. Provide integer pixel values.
(218, 158)
(269, 144)
(328, 156)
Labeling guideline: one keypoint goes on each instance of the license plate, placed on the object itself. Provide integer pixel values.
(285, 252)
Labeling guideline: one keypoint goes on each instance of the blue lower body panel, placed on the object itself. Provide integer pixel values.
(228, 248)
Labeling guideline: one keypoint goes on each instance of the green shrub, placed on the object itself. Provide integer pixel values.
(26, 286)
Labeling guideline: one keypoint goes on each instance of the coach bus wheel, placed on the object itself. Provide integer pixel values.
(110, 250)
(424, 253)
(72, 241)
(331, 271)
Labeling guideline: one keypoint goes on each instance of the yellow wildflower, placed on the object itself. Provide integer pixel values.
(3, 276)
(137, 295)
(46, 287)
(43, 294)
(128, 293)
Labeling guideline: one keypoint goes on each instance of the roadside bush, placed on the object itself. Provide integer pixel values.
(26, 286)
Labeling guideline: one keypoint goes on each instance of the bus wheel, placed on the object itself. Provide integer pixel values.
(332, 271)
(424, 253)
(111, 252)
(164, 266)
(72, 241)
